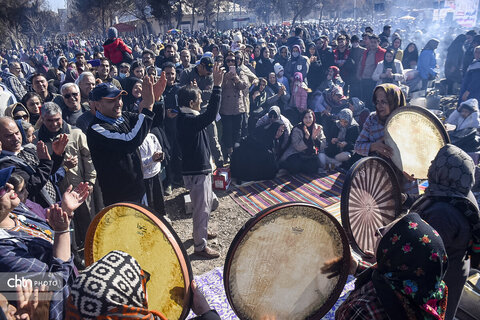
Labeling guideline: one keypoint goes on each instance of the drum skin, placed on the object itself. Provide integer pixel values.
(272, 269)
(154, 244)
(416, 135)
(370, 199)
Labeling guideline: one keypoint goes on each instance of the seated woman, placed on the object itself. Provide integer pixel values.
(29, 244)
(257, 156)
(341, 137)
(276, 92)
(360, 112)
(407, 280)
(328, 103)
(305, 148)
(131, 301)
(389, 70)
(333, 79)
(387, 97)
(466, 116)
(258, 104)
(273, 115)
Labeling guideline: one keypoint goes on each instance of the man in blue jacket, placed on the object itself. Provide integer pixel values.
(196, 165)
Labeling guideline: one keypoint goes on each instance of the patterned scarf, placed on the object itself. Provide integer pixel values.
(395, 96)
(112, 288)
(411, 263)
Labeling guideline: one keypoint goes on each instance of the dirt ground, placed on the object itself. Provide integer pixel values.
(226, 221)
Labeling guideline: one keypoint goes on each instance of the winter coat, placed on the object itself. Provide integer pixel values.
(427, 64)
(398, 77)
(233, 102)
(113, 50)
(300, 64)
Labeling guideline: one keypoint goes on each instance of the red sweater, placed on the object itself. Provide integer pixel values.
(113, 50)
(379, 56)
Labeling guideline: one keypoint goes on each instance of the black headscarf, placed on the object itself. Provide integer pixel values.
(390, 65)
(409, 56)
(129, 101)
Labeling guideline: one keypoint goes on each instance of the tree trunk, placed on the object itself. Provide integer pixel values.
(179, 14)
(193, 17)
(103, 23)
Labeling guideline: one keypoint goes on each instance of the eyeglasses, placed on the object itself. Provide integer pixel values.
(69, 95)
(24, 117)
(230, 60)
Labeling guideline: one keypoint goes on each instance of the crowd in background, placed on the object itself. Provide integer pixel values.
(289, 100)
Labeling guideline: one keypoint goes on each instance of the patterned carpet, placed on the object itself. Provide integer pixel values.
(211, 284)
(321, 190)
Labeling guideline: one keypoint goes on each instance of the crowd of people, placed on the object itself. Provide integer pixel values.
(89, 123)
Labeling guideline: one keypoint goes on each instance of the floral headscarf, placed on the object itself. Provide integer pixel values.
(112, 288)
(411, 263)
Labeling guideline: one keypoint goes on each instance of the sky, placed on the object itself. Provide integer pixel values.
(55, 4)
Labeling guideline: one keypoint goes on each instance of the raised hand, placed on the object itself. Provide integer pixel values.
(58, 219)
(58, 146)
(159, 86)
(306, 132)
(217, 75)
(72, 199)
(148, 95)
(42, 151)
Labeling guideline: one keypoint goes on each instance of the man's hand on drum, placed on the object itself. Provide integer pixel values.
(382, 149)
(332, 268)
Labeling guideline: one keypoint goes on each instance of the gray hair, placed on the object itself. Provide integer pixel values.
(51, 109)
(69, 85)
(26, 125)
(83, 75)
(477, 48)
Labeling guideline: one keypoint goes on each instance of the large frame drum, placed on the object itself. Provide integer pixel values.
(370, 199)
(154, 244)
(272, 269)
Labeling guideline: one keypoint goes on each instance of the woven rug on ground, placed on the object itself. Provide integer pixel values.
(211, 284)
(321, 190)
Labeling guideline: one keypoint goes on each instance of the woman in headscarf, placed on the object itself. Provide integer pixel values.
(387, 98)
(124, 293)
(33, 102)
(427, 62)
(232, 107)
(406, 282)
(276, 92)
(306, 144)
(466, 116)
(297, 63)
(282, 56)
(450, 207)
(341, 136)
(333, 79)
(264, 64)
(389, 70)
(396, 47)
(360, 112)
(258, 104)
(410, 56)
(454, 62)
(133, 87)
(274, 114)
(257, 156)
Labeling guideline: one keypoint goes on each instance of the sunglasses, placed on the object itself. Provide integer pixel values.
(69, 95)
(24, 117)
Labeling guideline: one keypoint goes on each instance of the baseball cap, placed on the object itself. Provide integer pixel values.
(207, 63)
(5, 175)
(105, 90)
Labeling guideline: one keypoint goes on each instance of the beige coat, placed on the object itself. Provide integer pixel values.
(232, 102)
